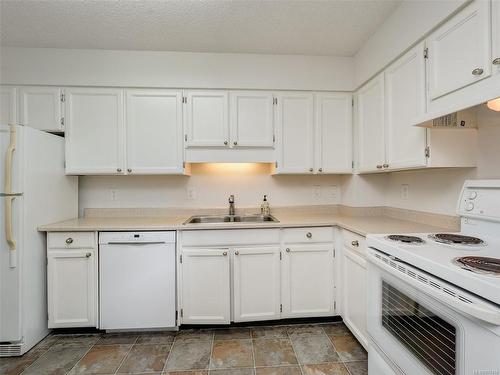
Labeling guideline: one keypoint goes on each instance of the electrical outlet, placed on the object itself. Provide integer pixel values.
(113, 194)
(191, 193)
(405, 191)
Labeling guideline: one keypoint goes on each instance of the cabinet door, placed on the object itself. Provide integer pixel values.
(496, 36)
(252, 119)
(333, 136)
(154, 131)
(308, 280)
(207, 119)
(459, 52)
(8, 105)
(72, 288)
(405, 100)
(256, 275)
(370, 125)
(41, 108)
(354, 288)
(205, 286)
(295, 121)
(94, 131)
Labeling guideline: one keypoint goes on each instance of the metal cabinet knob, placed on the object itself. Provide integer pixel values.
(355, 243)
(379, 166)
(235, 143)
(496, 61)
(477, 72)
(309, 235)
(224, 253)
(88, 255)
(69, 240)
(287, 250)
(118, 170)
(236, 253)
(386, 165)
(311, 169)
(225, 143)
(129, 170)
(320, 170)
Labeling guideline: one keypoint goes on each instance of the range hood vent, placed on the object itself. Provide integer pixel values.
(465, 119)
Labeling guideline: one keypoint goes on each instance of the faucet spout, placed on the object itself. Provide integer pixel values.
(231, 205)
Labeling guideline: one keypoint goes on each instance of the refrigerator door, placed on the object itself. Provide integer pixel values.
(10, 272)
(11, 137)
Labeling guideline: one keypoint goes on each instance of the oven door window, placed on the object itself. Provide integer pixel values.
(429, 338)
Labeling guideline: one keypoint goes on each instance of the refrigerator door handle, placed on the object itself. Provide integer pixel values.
(8, 160)
(9, 232)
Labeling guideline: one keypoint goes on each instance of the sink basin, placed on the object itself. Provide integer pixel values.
(214, 219)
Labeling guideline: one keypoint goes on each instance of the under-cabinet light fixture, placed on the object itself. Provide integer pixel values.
(494, 104)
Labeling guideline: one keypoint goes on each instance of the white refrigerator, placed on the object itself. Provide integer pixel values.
(33, 191)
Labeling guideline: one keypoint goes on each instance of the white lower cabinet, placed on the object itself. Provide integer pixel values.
(205, 286)
(256, 283)
(308, 280)
(72, 281)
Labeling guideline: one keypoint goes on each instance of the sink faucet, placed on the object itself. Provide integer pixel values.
(231, 204)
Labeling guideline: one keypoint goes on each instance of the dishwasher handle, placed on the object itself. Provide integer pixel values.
(135, 243)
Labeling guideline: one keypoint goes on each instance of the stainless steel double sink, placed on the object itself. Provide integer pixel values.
(214, 219)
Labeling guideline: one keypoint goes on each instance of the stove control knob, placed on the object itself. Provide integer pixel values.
(472, 194)
(469, 206)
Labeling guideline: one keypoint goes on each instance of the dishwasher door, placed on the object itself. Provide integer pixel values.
(137, 280)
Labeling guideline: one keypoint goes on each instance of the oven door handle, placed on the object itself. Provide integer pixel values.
(482, 312)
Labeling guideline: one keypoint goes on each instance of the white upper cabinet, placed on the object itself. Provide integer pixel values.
(333, 133)
(205, 295)
(256, 291)
(207, 119)
(41, 108)
(252, 121)
(404, 100)
(295, 124)
(8, 105)
(94, 131)
(370, 125)
(459, 52)
(496, 36)
(154, 131)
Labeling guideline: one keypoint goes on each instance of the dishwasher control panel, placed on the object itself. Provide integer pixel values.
(137, 237)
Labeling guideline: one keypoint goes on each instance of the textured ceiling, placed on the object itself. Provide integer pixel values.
(326, 27)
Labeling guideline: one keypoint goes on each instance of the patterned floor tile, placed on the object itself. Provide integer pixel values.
(314, 349)
(357, 368)
(234, 371)
(189, 355)
(232, 353)
(101, 359)
(325, 369)
(290, 370)
(232, 334)
(305, 330)
(195, 335)
(56, 361)
(197, 372)
(118, 338)
(336, 329)
(273, 352)
(349, 348)
(145, 359)
(278, 332)
(156, 338)
(16, 365)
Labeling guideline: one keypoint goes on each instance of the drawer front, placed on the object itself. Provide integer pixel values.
(354, 242)
(308, 235)
(232, 237)
(71, 240)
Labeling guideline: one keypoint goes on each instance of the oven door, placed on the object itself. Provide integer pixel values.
(419, 333)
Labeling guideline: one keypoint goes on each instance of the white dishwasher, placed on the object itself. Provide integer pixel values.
(136, 280)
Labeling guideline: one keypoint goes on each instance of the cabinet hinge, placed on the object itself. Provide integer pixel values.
(185, 137)
(352, 102)
(184, 99)
(427, 152)
(334, 253)
(48, 317)
(426, 53)
(176, 315)
(281, 307)
(335, 305)
(275, 101)
(62, 121)
(281, 256)
(183, 165)
(180, 258)
(352, 164)
(182, 313)
(63, 98)
(274, 138)
(276, 164)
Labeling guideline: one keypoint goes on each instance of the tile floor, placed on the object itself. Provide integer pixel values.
(305, 349)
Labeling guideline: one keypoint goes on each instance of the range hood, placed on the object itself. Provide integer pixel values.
(464, 119)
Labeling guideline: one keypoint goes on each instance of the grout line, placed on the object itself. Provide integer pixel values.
(253, 353)
(84, 354)
(211, 352)
(164, 369)
(127, 354)
(294, 352)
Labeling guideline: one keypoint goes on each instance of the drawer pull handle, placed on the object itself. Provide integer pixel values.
(287, 249)
(379, 166)
(88, 255)
(236, 253)
(309, 235)
(477, 71)
(496, 61)
(224, 253)
(355, 243)
(386, 165)
(69, 240)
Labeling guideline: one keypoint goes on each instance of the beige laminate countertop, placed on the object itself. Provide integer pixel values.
(362, 225)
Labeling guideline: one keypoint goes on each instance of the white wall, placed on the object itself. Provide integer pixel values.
(48, 66)
(213, 184)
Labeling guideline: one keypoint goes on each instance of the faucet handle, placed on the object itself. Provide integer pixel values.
(231, 198)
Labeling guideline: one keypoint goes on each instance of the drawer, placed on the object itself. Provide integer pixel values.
(71, 240)
(308, 235)
(354, 241)
(232, 237)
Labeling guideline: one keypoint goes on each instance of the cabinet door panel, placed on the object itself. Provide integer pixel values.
(256, 283)
(333, 133)
(154, 131)
(370, 125)
(252, 118)
(295, 119)
(41, 108)
(308, 280)
(207, 118)
(405, 100)
(94, 131)
(354, 285)
(72, 288)
(457, 48)
(496, 36)
(205, 286)
(8, 105)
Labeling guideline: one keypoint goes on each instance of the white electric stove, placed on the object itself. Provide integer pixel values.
(434, 299)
